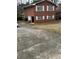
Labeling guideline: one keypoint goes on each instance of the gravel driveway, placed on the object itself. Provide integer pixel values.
(38, 44)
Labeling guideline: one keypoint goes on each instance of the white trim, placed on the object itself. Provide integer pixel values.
(34, 4)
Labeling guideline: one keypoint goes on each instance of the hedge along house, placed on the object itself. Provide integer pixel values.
(41, 11)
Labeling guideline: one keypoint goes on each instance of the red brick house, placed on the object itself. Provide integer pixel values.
(42, 11)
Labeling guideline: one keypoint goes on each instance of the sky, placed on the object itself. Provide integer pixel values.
(23, 1)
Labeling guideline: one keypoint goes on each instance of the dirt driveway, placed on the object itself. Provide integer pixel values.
(38, 43)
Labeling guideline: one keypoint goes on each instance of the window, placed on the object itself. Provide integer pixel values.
(40, 17)
(50, 17)
(39, 8)
(50, 8)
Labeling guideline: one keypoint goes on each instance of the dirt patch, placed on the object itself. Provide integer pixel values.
(38, 44)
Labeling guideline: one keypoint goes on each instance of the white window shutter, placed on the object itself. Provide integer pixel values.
(43, 17)
(53, 16)
(53, 8)
(36, 8)
(47, 8)
(47, 17)
(43, 8)
(36, 17)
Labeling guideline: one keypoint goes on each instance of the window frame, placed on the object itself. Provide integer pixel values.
(48, 8)
(52, 8)
(42, 17)
(52, 17)
(48, 17)
(42, 7)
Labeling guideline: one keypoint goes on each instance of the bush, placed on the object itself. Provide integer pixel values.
(19, 18)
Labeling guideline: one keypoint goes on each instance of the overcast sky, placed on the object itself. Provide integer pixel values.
(23, 1)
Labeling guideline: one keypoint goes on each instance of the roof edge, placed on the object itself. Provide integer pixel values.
(39, 2)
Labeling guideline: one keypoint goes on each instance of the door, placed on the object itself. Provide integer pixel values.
(32, 19)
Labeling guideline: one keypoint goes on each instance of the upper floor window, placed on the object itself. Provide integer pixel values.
(39, 8)
(50, 8)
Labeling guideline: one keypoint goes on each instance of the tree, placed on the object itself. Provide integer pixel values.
(34, 1)
(20, 11)
(55, 1)
(58, 12)
(27, 3)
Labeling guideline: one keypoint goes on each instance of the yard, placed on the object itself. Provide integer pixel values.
(56, 27)
(36, 41)
(53, 27)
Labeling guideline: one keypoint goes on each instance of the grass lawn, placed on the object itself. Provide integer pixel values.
(53, 27)
(56, 27)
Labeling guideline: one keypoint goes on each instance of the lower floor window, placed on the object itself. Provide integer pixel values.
(50, 17)
(40, 17)
(43, 17)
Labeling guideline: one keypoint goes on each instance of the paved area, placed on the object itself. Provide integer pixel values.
(38, 44)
